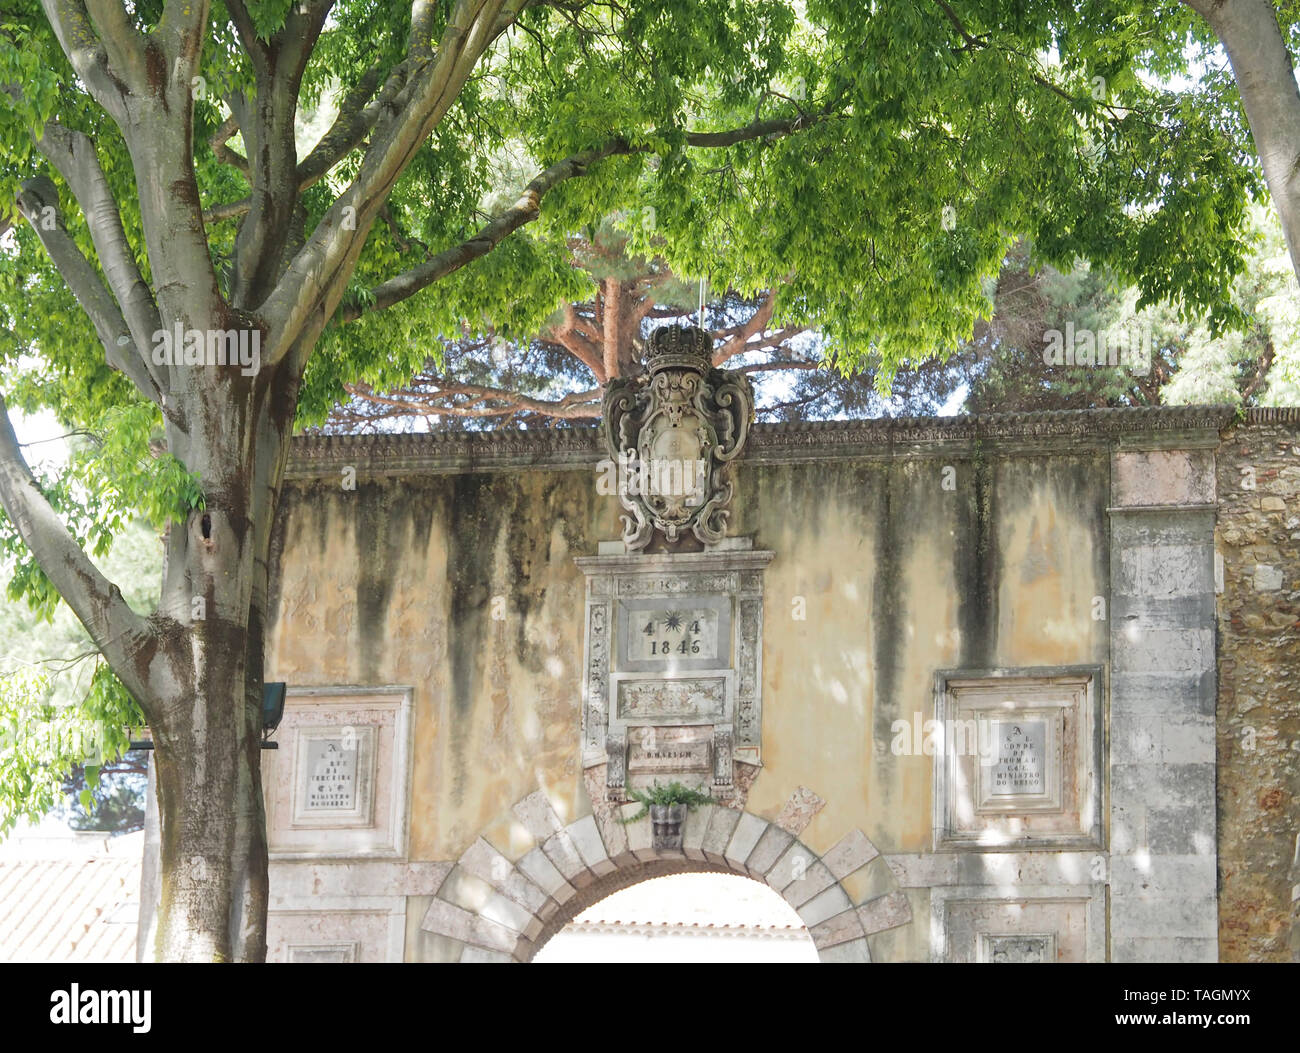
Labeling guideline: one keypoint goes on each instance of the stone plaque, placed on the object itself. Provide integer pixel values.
(674, 643)
(673, 632)
(695, 700)
(681, 633)
(305, 926)
(333, 953)
(338, 786)
(655, 750)
(331, 777)
(1020, 763)
(1032, 923)
(1017, 949)
(334, 775)
(1021, 758)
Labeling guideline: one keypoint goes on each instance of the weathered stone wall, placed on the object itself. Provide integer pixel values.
(900, 551)
(1258, 539)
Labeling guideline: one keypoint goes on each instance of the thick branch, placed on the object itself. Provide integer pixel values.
(123, 43)
(38, 200)
(579, 405)
(1265, 76)
(224, 153)
(310, 290)
(77, 37)
(573, 339)
(268, 127)
(117, 631)
(757, 322)
(73, 154)
(354, 122)
(527, 208)
(1261, 373)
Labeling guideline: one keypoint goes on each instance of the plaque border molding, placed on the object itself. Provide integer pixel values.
(1091, 764)
(396, 845)
(1091, 895)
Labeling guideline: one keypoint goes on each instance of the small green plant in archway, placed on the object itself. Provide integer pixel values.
(665, 796)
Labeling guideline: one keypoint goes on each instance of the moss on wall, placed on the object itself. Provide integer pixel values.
(886, 570)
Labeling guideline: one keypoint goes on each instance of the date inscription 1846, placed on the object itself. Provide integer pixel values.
(673, 633)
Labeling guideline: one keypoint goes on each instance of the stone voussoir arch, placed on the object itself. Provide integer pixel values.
(488, 908)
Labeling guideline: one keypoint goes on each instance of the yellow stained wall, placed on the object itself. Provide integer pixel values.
(464, 587)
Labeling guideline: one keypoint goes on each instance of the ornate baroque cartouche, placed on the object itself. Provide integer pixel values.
(674, 431)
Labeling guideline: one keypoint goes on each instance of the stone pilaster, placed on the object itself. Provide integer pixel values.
(1162, 716)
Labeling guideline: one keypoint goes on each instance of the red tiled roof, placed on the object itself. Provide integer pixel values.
(70, 900)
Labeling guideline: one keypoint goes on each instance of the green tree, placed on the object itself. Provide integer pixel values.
(63, 715)
(1007, 365)
(872, 165)
(557, 376)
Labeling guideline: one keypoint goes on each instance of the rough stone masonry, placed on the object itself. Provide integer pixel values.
(1258, 540)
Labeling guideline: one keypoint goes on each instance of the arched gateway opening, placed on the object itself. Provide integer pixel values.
(689, 918)
(489, 908)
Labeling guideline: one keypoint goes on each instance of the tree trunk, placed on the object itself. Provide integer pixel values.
(208, 740)
(213, 851)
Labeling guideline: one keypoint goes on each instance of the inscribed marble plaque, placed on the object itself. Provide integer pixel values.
(1021, 758)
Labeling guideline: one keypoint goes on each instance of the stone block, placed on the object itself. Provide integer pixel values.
(885, 912)
(722, 824)
(771, 846)
(1163, 571)
(817, 878)
(1268, 578)
(799, 811)
(796, 859)
(505, 912)
(465, 890)
(1163, 477)
(640, 835)
(538, 816)
(480, 956)
(586, 836)
(1191, 692)
(853, 851)
(851, 952)
(560, 850)
(841, 928)
(824, 905)
(697, 825)
(1174, 651)
(614, 836)
(546, 876)
(486, 863)
(446, 919)
(1163, 951)
(1159, 916)
(748, 831)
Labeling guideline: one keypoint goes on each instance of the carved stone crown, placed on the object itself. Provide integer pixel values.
(679, 347)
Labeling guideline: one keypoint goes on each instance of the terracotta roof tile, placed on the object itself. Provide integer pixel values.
(71, 900)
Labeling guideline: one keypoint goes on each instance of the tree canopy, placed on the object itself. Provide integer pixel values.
(314, 188)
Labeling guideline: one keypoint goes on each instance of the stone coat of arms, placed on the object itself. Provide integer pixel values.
(674, 431)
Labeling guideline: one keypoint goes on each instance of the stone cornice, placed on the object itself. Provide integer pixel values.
(314, 456)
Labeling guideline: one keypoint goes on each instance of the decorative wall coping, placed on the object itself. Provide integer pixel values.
(1273, 415)
(313, 456)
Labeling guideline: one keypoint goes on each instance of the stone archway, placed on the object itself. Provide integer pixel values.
(488, 908)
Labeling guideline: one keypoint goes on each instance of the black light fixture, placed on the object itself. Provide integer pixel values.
(272, 713)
